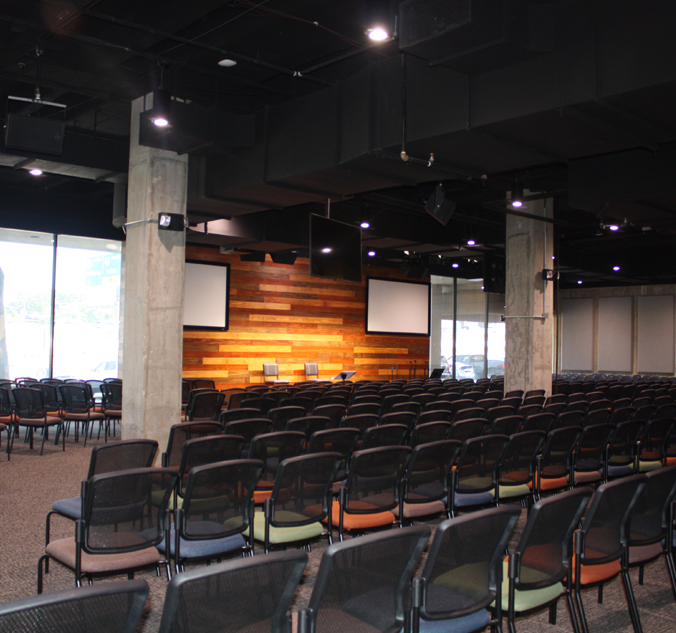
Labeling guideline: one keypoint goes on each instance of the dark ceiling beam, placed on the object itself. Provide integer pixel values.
(643, 141)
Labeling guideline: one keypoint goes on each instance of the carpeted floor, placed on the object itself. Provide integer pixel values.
(30, 483)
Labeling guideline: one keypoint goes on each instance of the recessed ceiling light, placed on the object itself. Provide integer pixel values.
(471, 242)
(35, 172)
(160, 121)
(227, 63)
(613, 227)
(371, 253)
(365, 225)
(378, 34)
(616, 268)
(579, 282)
(326, 249)
(455, 265)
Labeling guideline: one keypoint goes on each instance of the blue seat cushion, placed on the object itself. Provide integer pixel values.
(71, 508)
(476, 621)
(462, 499)
(203, 548)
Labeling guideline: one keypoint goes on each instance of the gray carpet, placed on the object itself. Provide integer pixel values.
(30, 483)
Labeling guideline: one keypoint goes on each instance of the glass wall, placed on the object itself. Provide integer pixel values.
(467, 334)
(61, 300)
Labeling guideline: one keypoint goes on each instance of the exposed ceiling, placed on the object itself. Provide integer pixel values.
(576, 100)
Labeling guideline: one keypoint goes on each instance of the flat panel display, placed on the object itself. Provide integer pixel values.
(397, 307)
(335, 249)
(206, 296)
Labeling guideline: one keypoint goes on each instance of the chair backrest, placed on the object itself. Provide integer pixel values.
(6, 402)
(538, 422)
(384, 435)
(507, 425)
(308, 424)
(270, 370)
(461, 573)
(361, 586)
(179, 434)
(517, 464)
(122, 455)
(558, 450)
(361, 421)
(124, 511)
(466, 429)
(342, 440)
(543, 554)
(50, 396)
(227, 597)
(590, 450)
(302, 483)
(606, 524)
(469, 414)
(231, 415)
(335, 412)
(373, 479)
(429, 432)
(203, 383)
(272, 448)
(75, 398)
(477, 464)
(29, 403)
(112, 395)
(249, 428)
(204, 404)
(207, 450)
(217, 499)
(425, 477)
(311, 369)
(651, 516)
(109, 607)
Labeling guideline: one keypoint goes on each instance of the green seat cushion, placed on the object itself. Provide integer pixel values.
(280, 535)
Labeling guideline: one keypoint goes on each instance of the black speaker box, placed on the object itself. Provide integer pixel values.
(438, 207)
(32, 134)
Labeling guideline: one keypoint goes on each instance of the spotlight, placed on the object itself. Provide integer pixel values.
(579, 282)
(371, 253)
(326, 249)
(471, 242)
(365, 225)
(35, 172)
(616, 268)
(172, 222)
(517, 195)
(455, 265)
(159, 114)
(613, 227)
(378, 34)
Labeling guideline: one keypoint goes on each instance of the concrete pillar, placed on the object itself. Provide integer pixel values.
(529, 248)
(153, 291)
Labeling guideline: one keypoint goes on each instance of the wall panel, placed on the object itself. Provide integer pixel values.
(656, 334)
(577, 334)
(279, 314)
(615, 334)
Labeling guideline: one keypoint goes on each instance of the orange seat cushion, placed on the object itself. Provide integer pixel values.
(361, 521)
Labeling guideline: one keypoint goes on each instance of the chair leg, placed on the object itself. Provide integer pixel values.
(671, 568)
(580, 609)
(44, 557)
(631, 602)
(571, 612)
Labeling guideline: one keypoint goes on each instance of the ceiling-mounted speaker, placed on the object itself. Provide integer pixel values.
(438, 206)
(33, 134)
(284, 258)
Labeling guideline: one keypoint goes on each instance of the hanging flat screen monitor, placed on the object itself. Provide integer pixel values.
(206, 296)
(335, 249)
(397, 307)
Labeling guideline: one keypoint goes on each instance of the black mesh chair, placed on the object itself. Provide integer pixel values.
(361, 586)
(271, 449)
(601, 545)
(299, 501)
(248, 428)
(428, 432)
(124, 515)
(371, 490)
(384, 435)
(232, 415)
(78, 408)
(111, 393)
(516, 468)
(30, 412)
(474, 480)
(204, 405)
(424, 484)
(539, 567)
(105, 459)
(463, 572)
(179, 434)
(555, 461)
(251, 594)
(622, 449)
(308, 424)
(650, 535)
(588, 458)
(112, 607)
(7, 417)
(216, 510)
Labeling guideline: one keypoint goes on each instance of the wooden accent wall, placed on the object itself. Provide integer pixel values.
(279, 314)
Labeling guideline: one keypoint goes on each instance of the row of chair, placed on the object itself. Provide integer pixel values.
(465, 584)
(41, 405)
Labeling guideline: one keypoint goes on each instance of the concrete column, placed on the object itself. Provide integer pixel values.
(529, 248)
(153, 291)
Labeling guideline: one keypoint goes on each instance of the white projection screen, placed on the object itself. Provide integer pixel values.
(206, 296)
(397, 307)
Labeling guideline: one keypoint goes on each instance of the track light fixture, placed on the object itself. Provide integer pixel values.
(517, 195)
(159, 114)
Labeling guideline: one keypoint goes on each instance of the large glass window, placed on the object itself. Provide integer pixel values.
(58, 321)
(467, 334)
(87, 308)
